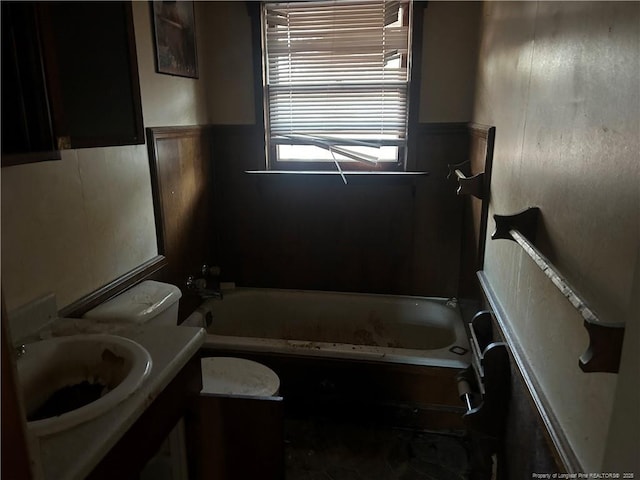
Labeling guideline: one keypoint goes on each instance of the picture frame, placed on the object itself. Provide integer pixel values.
(174, 31)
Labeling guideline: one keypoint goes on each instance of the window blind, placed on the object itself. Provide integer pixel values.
(337, 73)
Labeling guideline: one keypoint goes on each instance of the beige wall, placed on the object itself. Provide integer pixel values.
(449, 54)
(230, 66)
(168, 100)
(560, 82)
(74, 225)
(623, 442)
(449, 57)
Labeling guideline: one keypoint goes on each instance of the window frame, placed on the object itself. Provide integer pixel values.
(405, 153)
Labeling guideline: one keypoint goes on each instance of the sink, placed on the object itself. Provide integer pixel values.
(66, 381)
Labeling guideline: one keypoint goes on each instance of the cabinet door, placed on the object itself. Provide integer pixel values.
(92, 73)
(27, 132)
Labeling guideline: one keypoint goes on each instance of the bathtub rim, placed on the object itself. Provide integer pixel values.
(441, 357)
(346, 351)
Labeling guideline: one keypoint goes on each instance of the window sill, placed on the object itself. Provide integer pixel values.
(336, 173)
(355, 177)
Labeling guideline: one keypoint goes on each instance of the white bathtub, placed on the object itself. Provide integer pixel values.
(425, 331)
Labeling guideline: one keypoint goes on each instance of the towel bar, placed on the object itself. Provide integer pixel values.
(605, 338)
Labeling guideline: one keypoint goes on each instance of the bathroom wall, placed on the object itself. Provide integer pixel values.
(449, 56)
(65, 223)
(168, 100)
(381, 235)
(230, 67)
(449, 59)
(560, 82)
(73, 225)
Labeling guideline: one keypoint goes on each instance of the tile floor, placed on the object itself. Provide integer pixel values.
(321, 449)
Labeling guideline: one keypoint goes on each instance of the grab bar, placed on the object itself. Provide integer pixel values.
(484, 386)
(605, 338)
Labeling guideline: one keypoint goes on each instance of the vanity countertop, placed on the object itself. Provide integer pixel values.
(72, 454)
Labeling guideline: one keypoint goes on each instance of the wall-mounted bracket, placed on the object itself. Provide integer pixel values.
(473, 185)
(526, 222)
(605, 338)
(605, 348)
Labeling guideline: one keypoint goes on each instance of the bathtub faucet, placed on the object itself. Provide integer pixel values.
(200, 287)
(208, 293)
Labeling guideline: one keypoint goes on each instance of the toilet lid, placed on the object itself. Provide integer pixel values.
(238, 376)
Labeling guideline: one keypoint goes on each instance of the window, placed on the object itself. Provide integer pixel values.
(336, 84)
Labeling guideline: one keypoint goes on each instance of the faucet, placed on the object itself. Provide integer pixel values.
(206, 286)
(208, 293)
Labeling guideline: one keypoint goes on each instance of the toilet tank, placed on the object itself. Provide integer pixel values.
(148, 302)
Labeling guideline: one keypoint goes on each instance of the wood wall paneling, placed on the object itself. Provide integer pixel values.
(376, 234)
(181, 172)
(438, 210)
(240, 437)
(527, 446)
(475, 215)
(379, 235)
(395, 395)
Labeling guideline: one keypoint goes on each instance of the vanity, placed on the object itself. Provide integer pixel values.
(119, 442)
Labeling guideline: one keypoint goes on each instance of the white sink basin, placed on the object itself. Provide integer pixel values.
(69, 380)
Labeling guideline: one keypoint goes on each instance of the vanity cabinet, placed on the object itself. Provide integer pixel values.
(70, 78)
(178, 400)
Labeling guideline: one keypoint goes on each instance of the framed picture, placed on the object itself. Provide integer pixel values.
(175, 38)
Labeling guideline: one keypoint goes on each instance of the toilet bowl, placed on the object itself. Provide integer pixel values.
(156, 303)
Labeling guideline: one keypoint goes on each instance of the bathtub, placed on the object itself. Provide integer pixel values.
(421, 331)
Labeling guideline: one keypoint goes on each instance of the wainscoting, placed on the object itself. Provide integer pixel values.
(181, 164)
(380, 235)
(527, 445)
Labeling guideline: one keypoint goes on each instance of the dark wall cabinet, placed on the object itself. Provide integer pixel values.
(27, 131)
(69, 78)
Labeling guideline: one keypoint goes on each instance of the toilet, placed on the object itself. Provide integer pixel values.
(156, 303)
(234, 389)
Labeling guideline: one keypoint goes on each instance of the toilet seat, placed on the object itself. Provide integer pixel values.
(238, 376)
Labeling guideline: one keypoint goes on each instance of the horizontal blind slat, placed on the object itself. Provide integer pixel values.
(336, 68)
